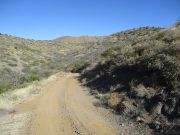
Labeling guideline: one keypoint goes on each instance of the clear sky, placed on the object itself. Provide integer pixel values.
(49, 19)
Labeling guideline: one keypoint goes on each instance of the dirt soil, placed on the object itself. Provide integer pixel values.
(63, 108)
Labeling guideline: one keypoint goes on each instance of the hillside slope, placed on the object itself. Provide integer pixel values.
(140, 78)
(23, 61)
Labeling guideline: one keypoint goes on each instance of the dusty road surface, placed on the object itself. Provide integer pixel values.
(63, 108)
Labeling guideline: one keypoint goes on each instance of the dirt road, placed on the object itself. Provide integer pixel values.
(63, 108)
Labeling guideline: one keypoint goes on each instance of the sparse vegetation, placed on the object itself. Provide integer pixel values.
(23, 61)
(135, 72)
(15, 97)
(78, 67)
(32, 78)
(144, 73)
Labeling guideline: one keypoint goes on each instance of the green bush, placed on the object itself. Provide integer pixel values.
(4, 88)
(165, 66)
(160, 60)
(156, 62)
(31, 78)
(77, 68)
(111, 52)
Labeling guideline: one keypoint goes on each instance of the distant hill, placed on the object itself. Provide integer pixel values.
(80, 40)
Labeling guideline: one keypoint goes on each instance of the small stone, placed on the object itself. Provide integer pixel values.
(140, 119)
(157, 122)
(121, 124)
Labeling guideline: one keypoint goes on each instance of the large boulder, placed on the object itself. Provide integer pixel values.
(156, 108)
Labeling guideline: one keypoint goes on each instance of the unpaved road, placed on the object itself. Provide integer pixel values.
(63, 108)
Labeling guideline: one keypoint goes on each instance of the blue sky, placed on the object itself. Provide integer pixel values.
(49, 19)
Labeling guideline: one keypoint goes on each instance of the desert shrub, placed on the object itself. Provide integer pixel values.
(30, 78)
(165, 66)
(78, 67)
(168, 38)
(104, 99)
(159, 36)
(12, 64)
(156, 56)
(110, 52)
(120, 55)
(15, 97)
(156, 60)
(4, 88)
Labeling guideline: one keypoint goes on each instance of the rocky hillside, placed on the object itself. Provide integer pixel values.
(139, 77)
